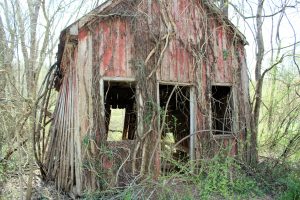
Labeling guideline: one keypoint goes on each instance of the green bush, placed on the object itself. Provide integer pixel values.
(292, 184)
(223, 177)
(282, 180)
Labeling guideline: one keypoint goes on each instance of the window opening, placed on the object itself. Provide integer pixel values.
(176, 124)
(221, 110)
(120, 110)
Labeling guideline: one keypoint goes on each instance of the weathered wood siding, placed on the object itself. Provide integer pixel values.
(114, 46)
(65, 140)
(194, 28)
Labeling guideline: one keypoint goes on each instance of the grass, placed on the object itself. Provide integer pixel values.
(116, 125)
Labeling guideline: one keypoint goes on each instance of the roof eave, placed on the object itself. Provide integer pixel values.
(75, 26)
(218, 12)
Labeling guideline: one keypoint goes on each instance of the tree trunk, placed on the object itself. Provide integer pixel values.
(2, 62)
(258, 89)
(2, 73)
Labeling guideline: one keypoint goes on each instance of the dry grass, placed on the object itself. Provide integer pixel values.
(16, 185)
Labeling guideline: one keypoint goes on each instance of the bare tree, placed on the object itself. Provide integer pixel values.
(29, 34)
(276, 53)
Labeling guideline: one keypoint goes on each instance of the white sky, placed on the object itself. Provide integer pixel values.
(289, 24)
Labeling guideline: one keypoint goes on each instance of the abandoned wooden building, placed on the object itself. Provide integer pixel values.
(176, 72)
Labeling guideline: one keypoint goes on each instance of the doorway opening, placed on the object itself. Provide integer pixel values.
(175, 120)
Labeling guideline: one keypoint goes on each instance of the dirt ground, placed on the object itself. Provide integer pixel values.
(15, 187)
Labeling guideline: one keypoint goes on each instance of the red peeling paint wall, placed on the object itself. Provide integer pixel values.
(115, 39)
(114, 46)
(221, 62)
(178, 62)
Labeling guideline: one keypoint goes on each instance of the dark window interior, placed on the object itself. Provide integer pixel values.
(120, 110)
(221, 109)
(177, 125)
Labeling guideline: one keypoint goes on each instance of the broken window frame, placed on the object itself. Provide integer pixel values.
(231, 102)
(102, 94)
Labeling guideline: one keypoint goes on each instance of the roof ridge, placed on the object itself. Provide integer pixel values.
(75, 26)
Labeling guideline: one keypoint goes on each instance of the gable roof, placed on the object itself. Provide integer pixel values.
(215, 10)
(126, 8)
(106, 9)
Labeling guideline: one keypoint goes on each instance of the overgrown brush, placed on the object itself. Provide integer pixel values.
(280, 179)
(292, 187)
(224, 177)
(217, 178)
